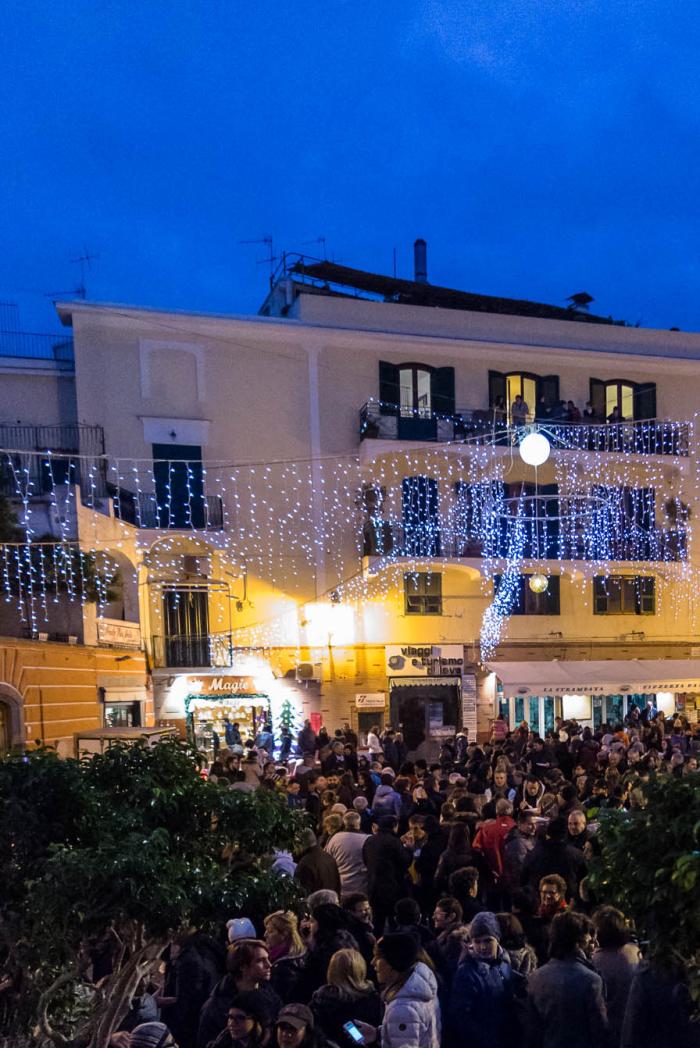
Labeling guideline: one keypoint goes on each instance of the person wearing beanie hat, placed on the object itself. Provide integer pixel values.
(240, 928)
(484, 926)
(151, 1035)
(482, 1012)
(248, 1022)
(409, 992)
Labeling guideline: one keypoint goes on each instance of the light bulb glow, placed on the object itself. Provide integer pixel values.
(534, 449)
(538, 583)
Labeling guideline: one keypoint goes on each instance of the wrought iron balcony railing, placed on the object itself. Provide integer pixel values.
(385, 538)
(193, 650)
(644, 437)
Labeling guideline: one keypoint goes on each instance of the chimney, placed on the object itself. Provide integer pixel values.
(420, 261)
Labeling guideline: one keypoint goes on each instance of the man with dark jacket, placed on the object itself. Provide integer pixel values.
(306, 739)
(387, 863)
(316, 869)
(555, 855)
(517, 846)
(247, 968)
(566, 996)
(194, 967)
(428, 843)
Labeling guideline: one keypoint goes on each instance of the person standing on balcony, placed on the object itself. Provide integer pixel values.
(519, 412)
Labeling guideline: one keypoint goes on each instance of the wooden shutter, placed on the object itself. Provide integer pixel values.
(597, 398)
(647, 596)
(389, 388)
(497, 387)
(644, 400)
(548, 387)
(442, 390)
(600, 595)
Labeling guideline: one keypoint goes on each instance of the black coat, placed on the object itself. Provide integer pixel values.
(331, 1011)
(317, 869)
(190, 978)
(549, 857)
(387, 863)
(215, 1012)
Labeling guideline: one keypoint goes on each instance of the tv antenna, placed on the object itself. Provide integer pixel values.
(271, 257)
(317, 240)
(83, 261)
(80, 290)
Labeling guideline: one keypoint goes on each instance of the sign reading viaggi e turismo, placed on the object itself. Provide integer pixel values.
(424, 660)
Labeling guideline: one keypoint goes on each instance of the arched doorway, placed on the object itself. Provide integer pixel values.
(11, 718)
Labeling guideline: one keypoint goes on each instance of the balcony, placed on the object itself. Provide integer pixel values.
(141, 509)
(39, 458)
(385, 538)
(24, 345)
(648, 437)
(193, 651)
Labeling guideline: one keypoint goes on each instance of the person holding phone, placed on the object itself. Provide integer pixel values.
(409, 992)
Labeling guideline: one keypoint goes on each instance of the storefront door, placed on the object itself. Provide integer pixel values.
(425, 714)
(538, 711)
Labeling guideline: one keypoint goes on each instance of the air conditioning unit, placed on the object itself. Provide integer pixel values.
(309, 671)
(200, 566)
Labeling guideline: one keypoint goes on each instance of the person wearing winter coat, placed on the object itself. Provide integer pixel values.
(387, 862)
(386, 800)
(247, 968)
(409, 993)
(347, 995)
(484, 1001)
(345, 848)
(329, 933)
(566, 996)
(315, 868)
(306, 739)
(616, 959)
(287, 953)
(194, 967)
(555, 855)
(490, 838)
(516, 848)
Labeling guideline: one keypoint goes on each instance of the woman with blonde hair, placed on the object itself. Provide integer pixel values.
(286, 950)
(347, 994)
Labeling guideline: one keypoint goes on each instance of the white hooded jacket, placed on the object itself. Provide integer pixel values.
(412, 1017)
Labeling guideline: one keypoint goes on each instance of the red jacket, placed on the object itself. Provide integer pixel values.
(490, 839)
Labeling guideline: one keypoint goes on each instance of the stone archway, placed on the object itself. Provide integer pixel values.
(11, 718)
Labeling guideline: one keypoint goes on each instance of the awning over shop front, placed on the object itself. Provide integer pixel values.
(601, 677)
(422, 682)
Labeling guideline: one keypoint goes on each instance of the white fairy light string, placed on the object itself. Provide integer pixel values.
(613, 501)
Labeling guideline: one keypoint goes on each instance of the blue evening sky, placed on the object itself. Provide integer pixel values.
(542, 147)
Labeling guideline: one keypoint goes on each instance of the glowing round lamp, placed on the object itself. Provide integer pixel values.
(534, 449)
(538, 583)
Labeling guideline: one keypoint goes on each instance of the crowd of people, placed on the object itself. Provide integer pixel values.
(521, 413)
(446, 904)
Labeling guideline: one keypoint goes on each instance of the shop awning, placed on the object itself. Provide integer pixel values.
(422, 682)
(597, 677)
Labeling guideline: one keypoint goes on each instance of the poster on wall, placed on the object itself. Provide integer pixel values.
(469, 705)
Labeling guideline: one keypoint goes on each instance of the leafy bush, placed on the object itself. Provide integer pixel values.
(133, 843)
(650, 867)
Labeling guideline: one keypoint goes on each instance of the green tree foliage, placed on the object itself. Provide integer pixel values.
(650, 867)
(133, 844)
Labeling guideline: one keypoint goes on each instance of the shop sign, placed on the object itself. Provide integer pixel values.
(370, 700)
(469, 705)
(429, 660)
(224, 686)
(120, 634)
